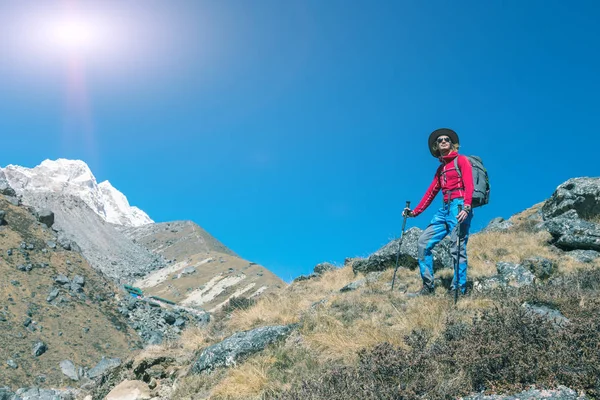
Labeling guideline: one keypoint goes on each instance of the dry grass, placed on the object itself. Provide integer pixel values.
(288, 305)
(247, 381)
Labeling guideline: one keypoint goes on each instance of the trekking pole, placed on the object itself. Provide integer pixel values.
(400, 244)
(456, 284)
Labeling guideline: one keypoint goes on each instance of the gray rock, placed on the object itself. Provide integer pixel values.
(386, 256)
(188, 270)
(51, 244)
(39, 348)
(514, 274)
(169, 318)
(153, 337)
(551, 314)
(498, 224)
(35, 393)
(7, 394)
(65, 242)
(12, 364)
(25, 267)
(14, 200)
(68, 368)
(5, 188)
(305, 277)
(79, 280)
(46, 216)
(323, 267)
(105, 365)
(75, 288)
(584, 256)
(560, 393)
(239, 345)
(180, 322)
(541, 267)
(574, 234)
(62, 279)
(579, 194)
(52, 295)
(353, 285)
(374, 276)
(2, 216)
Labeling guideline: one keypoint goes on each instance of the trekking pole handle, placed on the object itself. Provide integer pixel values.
(404, 223)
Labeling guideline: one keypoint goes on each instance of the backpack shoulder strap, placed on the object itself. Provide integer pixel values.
(456, 166)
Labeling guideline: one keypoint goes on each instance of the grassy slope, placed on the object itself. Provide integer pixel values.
(339, 351)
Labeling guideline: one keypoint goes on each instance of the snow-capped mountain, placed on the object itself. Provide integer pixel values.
(74, 178)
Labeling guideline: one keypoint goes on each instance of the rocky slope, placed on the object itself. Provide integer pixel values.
(58, 316)
(124, 244)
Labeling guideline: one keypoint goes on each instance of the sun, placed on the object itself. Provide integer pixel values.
(76, 34)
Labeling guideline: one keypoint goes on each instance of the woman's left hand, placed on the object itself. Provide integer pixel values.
(462, 216)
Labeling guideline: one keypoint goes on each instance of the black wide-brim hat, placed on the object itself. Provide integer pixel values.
(441, 132)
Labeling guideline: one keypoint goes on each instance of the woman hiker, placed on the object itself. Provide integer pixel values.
(444, 144)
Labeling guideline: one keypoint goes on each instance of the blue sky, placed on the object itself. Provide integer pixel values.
(295, 131)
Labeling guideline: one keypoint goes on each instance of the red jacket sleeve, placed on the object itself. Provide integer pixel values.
(467, 176)
(432, 191)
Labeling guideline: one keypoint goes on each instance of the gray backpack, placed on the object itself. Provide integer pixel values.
(481, 182)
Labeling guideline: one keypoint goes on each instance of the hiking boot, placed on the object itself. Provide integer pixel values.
(425, 291)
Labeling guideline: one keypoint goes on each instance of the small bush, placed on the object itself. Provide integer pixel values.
(237, 303)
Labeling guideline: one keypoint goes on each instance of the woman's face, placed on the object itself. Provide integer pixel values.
(444, 144)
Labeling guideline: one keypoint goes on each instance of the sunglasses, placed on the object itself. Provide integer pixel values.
(444, 139)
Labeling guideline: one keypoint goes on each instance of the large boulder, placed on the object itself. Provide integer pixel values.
(385, 257)
(46, 216)
(579, 194)
(130, 390)
(241, 344)
(574, 234)
(5, 188)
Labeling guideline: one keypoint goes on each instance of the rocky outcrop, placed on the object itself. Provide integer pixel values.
(561, 393)
(408, 253)
(498, 224)
(155, 323)
(569, 213)
(509, 274)
(239, 345)
(323, 267)
(579, 194)
(573, 233)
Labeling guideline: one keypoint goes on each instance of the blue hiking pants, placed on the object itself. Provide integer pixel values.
(443, 223)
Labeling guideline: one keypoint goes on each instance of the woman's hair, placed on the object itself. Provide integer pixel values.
(435, 147)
